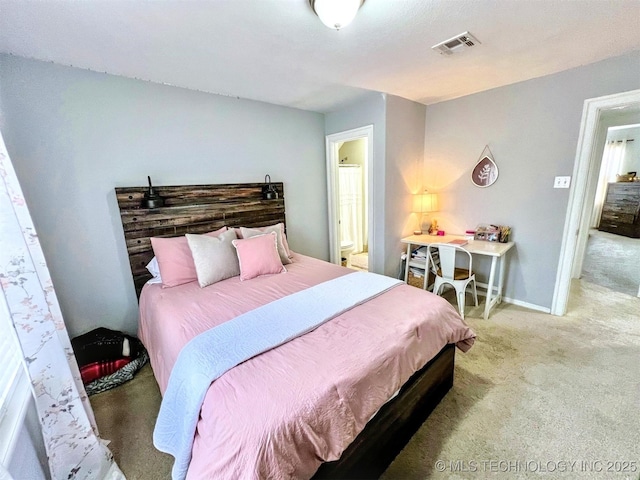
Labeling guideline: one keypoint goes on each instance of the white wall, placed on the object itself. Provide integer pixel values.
(532, 129)
(397, 170)
(353, 152)
(75, 135)
(404, 173)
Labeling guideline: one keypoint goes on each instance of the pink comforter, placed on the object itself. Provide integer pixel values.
(284, 412)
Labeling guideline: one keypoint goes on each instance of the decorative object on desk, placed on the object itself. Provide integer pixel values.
(269, 191)
(440, 233)
(151, 199)
(505, 233)
(424, 203)
(489, 233)
(433, 228)
(470, 234)
(493, 233)
(485, 173)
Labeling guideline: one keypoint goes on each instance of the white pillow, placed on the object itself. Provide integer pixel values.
(154, 270)
(278, 229)
(214, 257)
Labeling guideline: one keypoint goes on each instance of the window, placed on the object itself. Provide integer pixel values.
(14, 388)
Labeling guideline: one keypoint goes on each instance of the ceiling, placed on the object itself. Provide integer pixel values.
(278, 51)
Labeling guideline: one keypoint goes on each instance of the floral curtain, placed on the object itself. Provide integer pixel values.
(73, 445)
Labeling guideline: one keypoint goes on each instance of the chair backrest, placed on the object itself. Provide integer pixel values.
(447, 259)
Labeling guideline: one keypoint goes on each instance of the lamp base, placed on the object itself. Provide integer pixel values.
(417, 232)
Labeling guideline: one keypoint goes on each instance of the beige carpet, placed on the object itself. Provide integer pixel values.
(612, 261)
(536, 392)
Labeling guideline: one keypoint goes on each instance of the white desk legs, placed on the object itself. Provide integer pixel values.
(489, 300)
(406, 264)
(500, 280)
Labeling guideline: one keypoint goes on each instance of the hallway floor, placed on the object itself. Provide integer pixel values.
(612, 261)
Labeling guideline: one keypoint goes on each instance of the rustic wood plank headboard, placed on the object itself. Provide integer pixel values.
(191, 209)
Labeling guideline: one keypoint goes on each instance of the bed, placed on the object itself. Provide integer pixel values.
(339, 401)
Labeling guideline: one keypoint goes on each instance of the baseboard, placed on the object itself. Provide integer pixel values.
(513, 301)
(528, 305)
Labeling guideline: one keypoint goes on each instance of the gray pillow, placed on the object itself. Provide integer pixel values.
(214, 257)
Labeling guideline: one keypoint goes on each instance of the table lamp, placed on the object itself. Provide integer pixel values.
(424, 203)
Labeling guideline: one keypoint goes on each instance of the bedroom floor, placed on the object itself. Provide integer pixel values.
(514, 399)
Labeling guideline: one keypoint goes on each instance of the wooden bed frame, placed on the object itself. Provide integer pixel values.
(203, 208)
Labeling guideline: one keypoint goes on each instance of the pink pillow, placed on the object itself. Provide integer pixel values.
(283, 245)
(258, 256)
(175, 260)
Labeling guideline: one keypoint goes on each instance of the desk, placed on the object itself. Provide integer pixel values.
(494, 250)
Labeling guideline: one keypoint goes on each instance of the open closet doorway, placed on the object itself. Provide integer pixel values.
(591, 144)
(349, 185)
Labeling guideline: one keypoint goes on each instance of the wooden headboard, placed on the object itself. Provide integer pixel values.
(191, 209)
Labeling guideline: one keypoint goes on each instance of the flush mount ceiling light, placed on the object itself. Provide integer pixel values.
(336, 14)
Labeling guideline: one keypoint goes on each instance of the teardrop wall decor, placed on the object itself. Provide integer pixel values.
(485, 173)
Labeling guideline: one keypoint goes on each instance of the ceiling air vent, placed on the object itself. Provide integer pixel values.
(459, 42)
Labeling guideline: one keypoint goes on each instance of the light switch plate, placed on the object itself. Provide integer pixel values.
(562, 182)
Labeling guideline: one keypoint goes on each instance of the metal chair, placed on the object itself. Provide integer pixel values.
(445, 272)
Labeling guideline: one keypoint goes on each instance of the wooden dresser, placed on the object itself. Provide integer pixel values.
(621, 209)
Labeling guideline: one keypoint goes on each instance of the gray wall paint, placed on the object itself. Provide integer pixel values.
(74, 135)
(397, 166)
(532, 129)
(404, 173)
(370, 111)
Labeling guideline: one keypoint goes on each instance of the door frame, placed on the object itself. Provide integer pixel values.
(332, 152)
(585, 175)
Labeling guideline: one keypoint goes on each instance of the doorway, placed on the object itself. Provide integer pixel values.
(593, 132)
(612, 254)
(349, 188)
